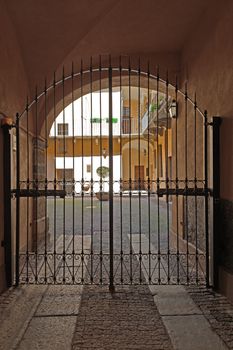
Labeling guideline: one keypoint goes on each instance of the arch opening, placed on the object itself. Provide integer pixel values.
(115, 176)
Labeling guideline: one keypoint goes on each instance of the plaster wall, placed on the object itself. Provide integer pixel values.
(207, 67)
(13, 89)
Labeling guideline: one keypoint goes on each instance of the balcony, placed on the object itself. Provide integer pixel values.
(156, 116)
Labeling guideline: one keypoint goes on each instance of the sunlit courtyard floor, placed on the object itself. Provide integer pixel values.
(135, 215)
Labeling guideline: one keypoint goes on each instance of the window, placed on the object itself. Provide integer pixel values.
(88, 168)
(126, 112)
(63, 129)
(125, 123)
(160, 161)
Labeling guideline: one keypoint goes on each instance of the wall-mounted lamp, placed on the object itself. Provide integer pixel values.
(173, 109)
(5, 120)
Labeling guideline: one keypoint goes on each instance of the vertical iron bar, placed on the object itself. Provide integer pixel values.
(121, 183)
(92, 222)
(148, 168)
(130, 179)
(82, 181)
(73, 186)
(46, 179)
(177, 197)
(139, 169)
(7, 201)
(28, 187)
(206, 195)
(186, 181)
(195, 185)
(37, 187)
(167, 183)
(17, 201)
(101, 180)
(111, 252)
(64, 176)
(55, 180)
(158, 174)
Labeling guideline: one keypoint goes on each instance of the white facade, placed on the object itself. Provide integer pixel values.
(83, 164)
(93, 107)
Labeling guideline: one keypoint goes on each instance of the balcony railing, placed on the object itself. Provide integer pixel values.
(129, 126)
(150, 117)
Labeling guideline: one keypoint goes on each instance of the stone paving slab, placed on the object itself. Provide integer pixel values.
(48, 333)
(183, 319)
(92, 318)
(217, 310)
(16, 312)
(60, 300)
(173, 300)
(192, 332)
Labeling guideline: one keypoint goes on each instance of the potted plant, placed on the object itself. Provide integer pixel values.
(153, 107)
(102, 172)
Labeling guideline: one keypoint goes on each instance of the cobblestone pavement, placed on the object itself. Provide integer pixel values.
(217, 310)
(75, 317)
(127, 319)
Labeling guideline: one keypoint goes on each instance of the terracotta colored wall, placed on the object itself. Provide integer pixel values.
(13, 89)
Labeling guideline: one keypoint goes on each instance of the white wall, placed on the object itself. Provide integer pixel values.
(81, 163)
(89, 105)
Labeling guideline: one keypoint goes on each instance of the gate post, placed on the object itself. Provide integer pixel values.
(7, 124)
(216, 199)
(206, 164)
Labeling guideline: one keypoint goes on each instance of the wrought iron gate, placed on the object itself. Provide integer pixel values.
(112, 181)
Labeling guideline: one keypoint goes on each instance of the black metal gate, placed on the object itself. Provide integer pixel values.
(112, 180)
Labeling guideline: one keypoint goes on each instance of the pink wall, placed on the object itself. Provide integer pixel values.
(13, 89)
(207, 65)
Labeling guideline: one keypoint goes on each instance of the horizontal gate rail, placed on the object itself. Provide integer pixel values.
(182, 192)
(160, 192)
(38, 193)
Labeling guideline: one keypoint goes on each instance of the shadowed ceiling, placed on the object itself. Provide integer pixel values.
(54, 32)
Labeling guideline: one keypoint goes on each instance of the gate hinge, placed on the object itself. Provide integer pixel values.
(209, 124)
(217, 200)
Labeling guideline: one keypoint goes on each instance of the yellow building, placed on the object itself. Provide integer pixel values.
(142, 139)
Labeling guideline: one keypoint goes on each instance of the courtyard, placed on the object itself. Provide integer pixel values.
(76, 249)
